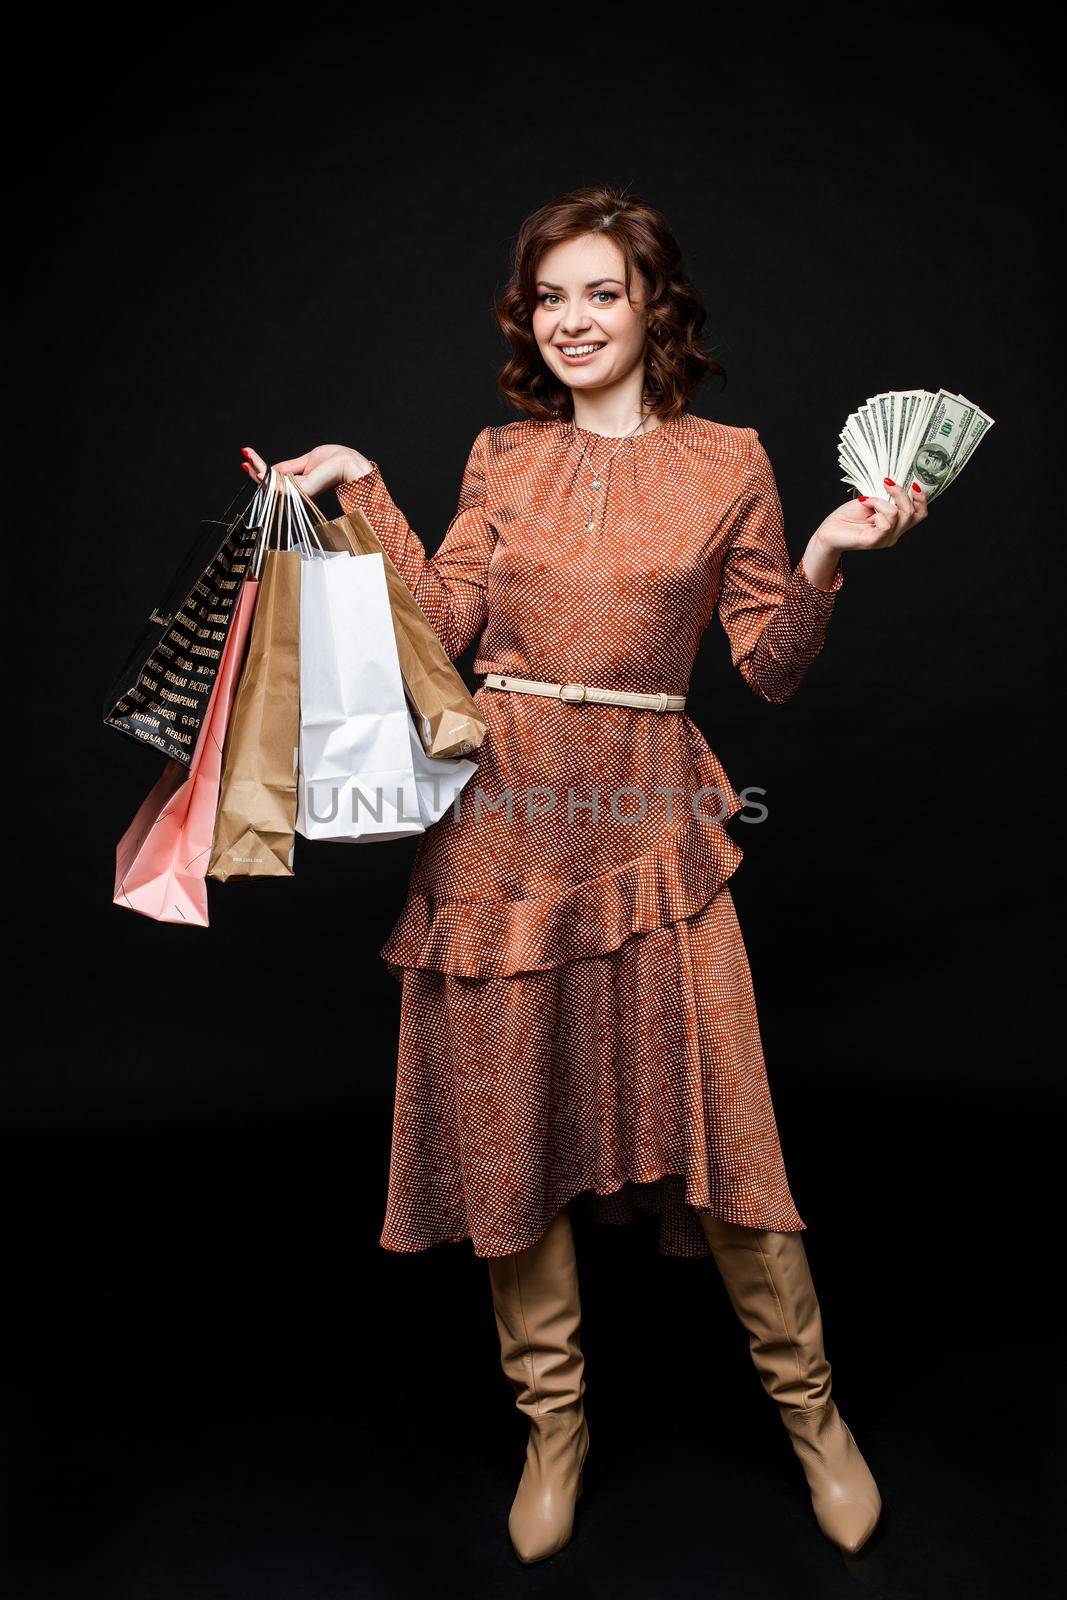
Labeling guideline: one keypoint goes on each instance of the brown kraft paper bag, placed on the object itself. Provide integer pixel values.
(446, 714)
(256, 819)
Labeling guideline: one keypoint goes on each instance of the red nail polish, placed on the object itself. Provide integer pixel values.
(863, 497)
(889, 482)
(917, 488)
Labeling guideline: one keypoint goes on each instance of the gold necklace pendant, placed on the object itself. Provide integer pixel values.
(590, 526)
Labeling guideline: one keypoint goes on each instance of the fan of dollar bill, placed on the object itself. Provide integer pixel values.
(912, 437)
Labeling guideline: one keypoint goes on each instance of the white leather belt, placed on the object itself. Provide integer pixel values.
(576, 693)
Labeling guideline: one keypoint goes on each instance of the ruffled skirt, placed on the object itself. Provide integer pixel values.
(634, 1078)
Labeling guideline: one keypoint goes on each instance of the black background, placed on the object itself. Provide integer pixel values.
(219, 1383)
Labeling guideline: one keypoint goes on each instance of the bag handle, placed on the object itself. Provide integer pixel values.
(270, 527)
(316, 511)
(285, 501)
(302, 529)
(300, 501)
(257, 506)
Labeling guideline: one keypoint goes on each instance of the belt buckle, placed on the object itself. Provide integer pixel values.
(573, 699)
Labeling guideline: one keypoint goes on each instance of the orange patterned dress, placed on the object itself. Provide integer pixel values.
(577, 1015)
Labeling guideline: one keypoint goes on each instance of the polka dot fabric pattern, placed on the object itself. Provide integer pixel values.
(577, 1014)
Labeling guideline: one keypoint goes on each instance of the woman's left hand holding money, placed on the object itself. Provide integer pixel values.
(867, 523)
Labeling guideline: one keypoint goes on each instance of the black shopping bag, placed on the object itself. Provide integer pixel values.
(161, 695)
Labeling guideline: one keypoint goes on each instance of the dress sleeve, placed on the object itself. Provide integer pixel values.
(774, 617)
(449, 586)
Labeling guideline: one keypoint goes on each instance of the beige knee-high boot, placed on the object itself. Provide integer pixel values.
(769, 1283)
(535, 1298)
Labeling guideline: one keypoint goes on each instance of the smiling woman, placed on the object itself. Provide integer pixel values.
(597, 291)
(577, 1014)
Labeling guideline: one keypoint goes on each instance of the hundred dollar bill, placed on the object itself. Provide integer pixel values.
(910, 435)
(979, 427)
(934, 462)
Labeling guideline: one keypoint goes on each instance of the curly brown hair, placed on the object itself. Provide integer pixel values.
(675, 359)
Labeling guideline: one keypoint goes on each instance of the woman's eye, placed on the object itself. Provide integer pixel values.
(604, 295)
(547, 297)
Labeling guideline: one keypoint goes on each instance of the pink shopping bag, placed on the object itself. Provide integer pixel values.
(161, 860)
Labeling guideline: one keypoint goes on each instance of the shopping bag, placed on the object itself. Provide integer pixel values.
(363, 773)
(446, 714)
(254, 825)
(160, 697)
(257, 802)
(161, 860)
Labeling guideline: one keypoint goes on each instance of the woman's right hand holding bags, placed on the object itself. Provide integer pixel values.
(322, 468)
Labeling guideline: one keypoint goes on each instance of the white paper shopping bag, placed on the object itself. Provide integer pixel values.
(363, 772)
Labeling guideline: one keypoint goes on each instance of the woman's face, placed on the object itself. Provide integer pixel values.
(586, 329)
